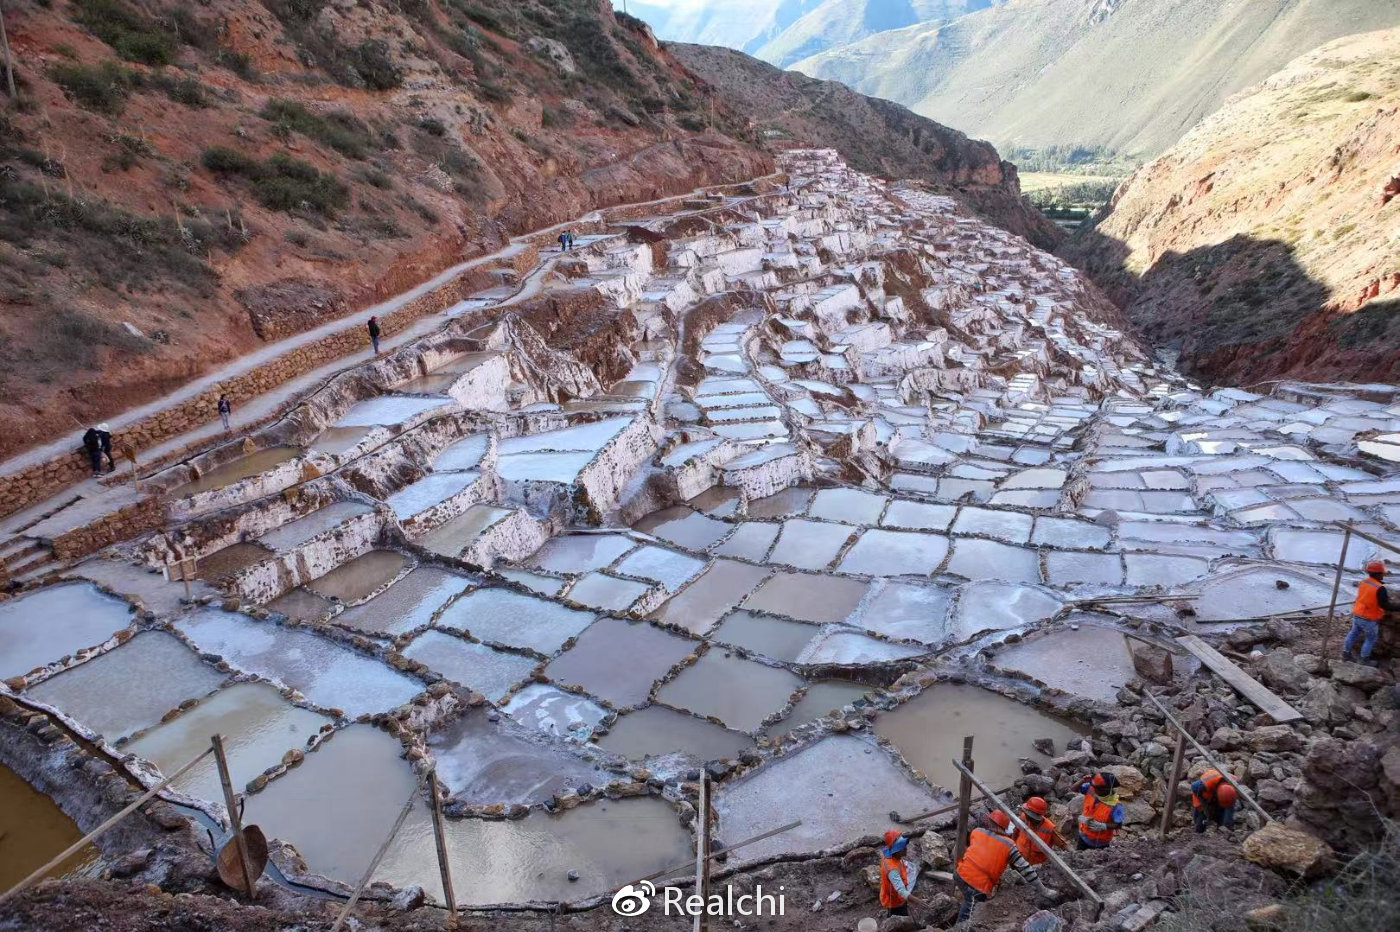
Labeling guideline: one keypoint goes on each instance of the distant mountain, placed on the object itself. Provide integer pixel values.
(874, 135)
(1128, 75)
(783, 31)
(1266, 243)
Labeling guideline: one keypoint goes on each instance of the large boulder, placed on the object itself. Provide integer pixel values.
(1327, 703)
(1359, 675)
(1345, 785)
(1130, 779)
(1274, 738)
(1288, 851)
(1279, 671)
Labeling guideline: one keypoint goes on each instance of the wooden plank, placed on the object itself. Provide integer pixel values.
(1240, 681)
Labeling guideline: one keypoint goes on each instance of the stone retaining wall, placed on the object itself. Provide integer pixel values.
(123, 524)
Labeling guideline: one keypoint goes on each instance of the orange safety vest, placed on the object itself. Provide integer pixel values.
(1368, 603)
(889, 896)
(1099, 812)
(1029, 849)
(1211, 780)
(985, 860)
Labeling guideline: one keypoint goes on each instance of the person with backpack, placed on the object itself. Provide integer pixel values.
(374, 334)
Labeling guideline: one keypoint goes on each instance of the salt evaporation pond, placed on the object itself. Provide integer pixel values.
(408, 604)
(33, 830)
(295, 533)
(807, 597)
(388, 409)
(328, 674)
(46, 625)
(657, 731)
(740, 693)
(130, 687)
(483, 763)
(484, 669)
(1092, 662)
(711, 596)
(820, 700)
(242, 468)
(258, 726)
(528, 860)
(359, 578)
(841, 787)
(504, 616)
(929, 730)
(618, 661)
(428, 491)
(553, 711)
(580, 553)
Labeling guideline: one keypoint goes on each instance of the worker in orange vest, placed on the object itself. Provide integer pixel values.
(897, 874)
(1102, 814)
(1035, 812)
(990, 851)
(1213, 799)
(1372, 602)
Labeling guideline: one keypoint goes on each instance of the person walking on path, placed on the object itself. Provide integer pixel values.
(1372, 602)
(93, 445)
(564, 241)
(1103, 813)
(990, 851)
(897, 874)
(104, 438)
(374, 334)
(225, 411)
(1212, 800)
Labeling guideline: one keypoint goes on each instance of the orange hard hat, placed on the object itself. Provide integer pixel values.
(1037, 806)
(1000, 820)
(1375, 566)
(1226, 795)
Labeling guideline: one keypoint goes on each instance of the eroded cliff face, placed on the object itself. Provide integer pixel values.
(1267, 242)
(178, 183)
(874, 135)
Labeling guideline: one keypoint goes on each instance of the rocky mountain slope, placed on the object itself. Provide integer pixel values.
(1267, 241)
(178, 181)
(1128, 75)
(874, 135)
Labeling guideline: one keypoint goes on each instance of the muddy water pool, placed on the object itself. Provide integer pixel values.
(656, 731)
(32, 830)
(350, 582)
(741, 693)
(408, 604)
(928, 730)
(504, 616)
(711, 596)
(821, 699)
(234, 470)
(618, 661)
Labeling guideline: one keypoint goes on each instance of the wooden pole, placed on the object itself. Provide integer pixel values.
(1178, 761)
(101, 830)
(1036, 839)
(730, 848)
(1336, 589)
(378, 856)
(439, 835)
(702, 853)
(9, 62)
(964, 800)
(939, 811)
(250, 883)
(1181, 729)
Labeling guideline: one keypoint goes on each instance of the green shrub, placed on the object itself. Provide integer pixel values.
(339, 131)
(187, 90)
(240, 63)
(289, 184)
(133, 35)
(432, 125)
(493, 92)
(371, 60)
(225, 161)
(103, 87)
(1355, 97)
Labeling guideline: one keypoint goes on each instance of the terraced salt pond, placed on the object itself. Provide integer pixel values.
(74, 616)
(33, 830)
(253, 464)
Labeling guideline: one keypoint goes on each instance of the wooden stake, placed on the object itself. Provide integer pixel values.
(378, 856)
(964, 801)
(250, 883)
(906, 820)
(731, 848)
(1181, 729)
(444, 865)
(1036, 839)
(101, 830)
(1336, 588)
(1178, 761)
(702, 853)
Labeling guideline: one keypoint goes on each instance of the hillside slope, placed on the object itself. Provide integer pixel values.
(1266, 243)
(180, 182)
(1128, 75)
(874, 135)
(835, 23)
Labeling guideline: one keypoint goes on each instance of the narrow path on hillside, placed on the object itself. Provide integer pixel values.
(96, 499)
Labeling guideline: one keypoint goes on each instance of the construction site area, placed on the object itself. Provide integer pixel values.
(705, 551)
